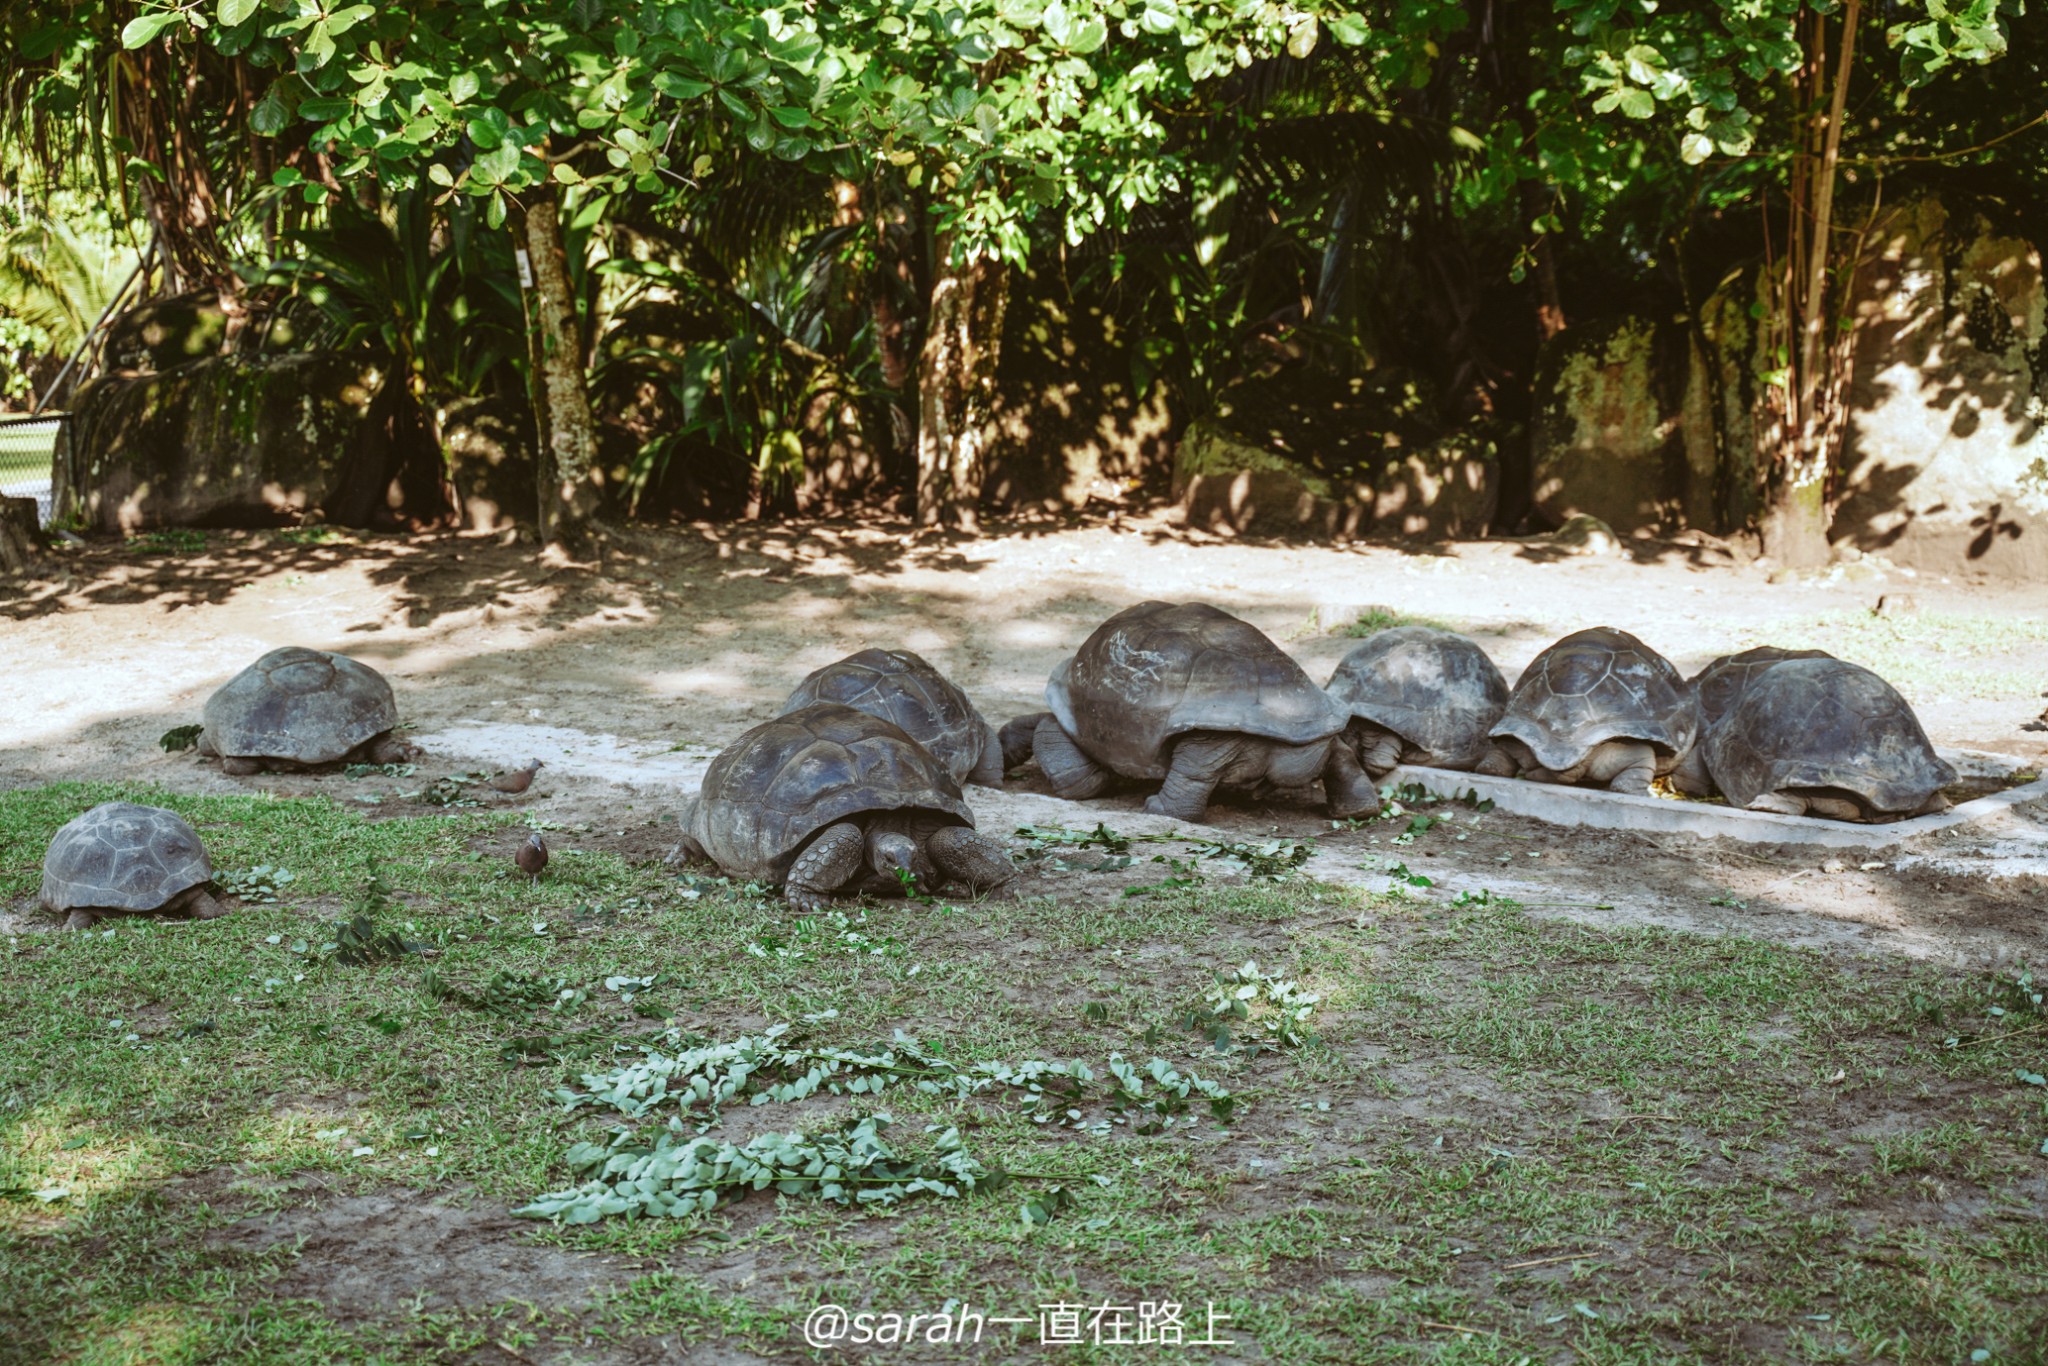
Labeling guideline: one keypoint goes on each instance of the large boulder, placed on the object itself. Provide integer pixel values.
(487, 448)
(168, 332)
(1945, 461)
(230, 441)
(1608, 436)
(1078, 414)
(1301, 450)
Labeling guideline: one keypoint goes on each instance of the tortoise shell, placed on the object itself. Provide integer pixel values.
(123, 857)
(782, 782)
(1598, 685)
(1435, 689)
(307, 706)
(1719, 686)
(902, 688)
(1825, 724)
(1157, 671)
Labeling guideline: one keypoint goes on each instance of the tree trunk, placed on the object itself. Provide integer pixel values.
(567, 471)
(1807, 436)
(21, 534)
(956, 386)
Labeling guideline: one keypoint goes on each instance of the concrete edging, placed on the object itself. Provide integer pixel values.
(1600, 810)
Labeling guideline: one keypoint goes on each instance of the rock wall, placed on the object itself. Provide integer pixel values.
(1228, 484)
(1608, 438)
(1945, 464)
(231, 441)
(1653, 424)
(1073, 420)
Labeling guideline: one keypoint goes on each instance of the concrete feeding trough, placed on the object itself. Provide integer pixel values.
(1597, 809)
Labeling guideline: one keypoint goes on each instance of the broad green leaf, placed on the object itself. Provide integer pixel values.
(462, 86)
(1637, 104)
(1350, 30)
(1695, 148)
(680, 87)
(143, 28)
(232, 12)
(325, 110)
(44, 41)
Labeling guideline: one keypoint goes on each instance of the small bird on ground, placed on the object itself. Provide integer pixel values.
(516, 780)
(532, 856)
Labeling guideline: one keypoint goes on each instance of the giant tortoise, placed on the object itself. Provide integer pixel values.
(297, 709)
(830, 800)
(123, 859)
(1597, 707)
(1825, 737)
(1419, 695)
(1193, 698)
(898, 686)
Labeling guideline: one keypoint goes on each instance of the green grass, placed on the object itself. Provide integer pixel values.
(1712, 1149)
(1924, 655)
(1375, 619)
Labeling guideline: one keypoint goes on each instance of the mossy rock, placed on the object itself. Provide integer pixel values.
(487, 447)
(1308, 452)
(234, 441)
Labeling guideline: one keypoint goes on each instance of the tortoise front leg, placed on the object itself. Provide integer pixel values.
(237, 767)
(1350, 793)
(200, 905)
(994, 759)
(1691, 776)
(1073, 775)
(1379, 749)
(80, 920)
(827, 865)
(1624, 765)
(1199, 763)
(1016, 737)
(969, 858)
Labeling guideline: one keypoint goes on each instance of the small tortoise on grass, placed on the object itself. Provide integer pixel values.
(1715, 690)
(124, 859)
(1189, 696)
(1599, 707)
(1421, 696)
(1824, 737)
(898, 686)
(831, 801)
(298, 709)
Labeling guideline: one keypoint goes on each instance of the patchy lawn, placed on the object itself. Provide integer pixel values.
(297, 1134)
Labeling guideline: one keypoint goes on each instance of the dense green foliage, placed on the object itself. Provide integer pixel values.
(1418, 191)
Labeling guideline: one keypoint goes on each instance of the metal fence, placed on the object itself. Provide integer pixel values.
(26, 444)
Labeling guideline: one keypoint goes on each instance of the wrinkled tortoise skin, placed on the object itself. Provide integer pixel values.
(1435, 689)
(1598, 685)
(1155, 672)
(783, 781)
(123, 857)
(900, 687)
(1826, 725)
(304, 706)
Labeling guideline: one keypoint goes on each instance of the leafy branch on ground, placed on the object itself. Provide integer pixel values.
(678, 1178)
(1272, 860)
(179, 738)
(764, 1069)
(258, 886)
(1273, 1006)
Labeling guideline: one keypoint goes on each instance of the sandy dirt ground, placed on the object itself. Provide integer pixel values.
(625, 676)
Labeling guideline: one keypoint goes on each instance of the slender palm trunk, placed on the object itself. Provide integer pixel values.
(568, 433)
(1807, 434)
(956, 387)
